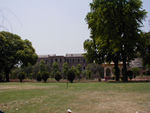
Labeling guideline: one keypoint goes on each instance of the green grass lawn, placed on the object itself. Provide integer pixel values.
(79, 97)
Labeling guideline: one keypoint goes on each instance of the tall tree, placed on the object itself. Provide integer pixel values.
(16, 51)
(115, 30)
(79, 71)
(55, 69)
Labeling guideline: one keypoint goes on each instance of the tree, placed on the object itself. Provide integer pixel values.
(45, 75)
(87, 74)
(55, 69)
(15, 51)
(43, 70)
(79, 71)
(35, 70)
(21, 76)
(119, 43)
(42, 66)
(2, 58)
(71, 74)
(58, 76)
(145, 49)
(136, 71)
(39, 76)
(65, 70)
(28, 70)
(95, 71)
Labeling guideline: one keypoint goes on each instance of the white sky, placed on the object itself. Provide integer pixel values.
(53, 26)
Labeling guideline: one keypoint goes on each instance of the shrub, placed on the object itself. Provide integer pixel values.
(71, 75)
(130, 74)
(45, 75)
(136, 71)
(39, 78)
(58, 76)
(21, 76)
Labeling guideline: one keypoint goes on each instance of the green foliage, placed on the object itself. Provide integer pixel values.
(39, 76)
(71, 74)
(42, 66)
(136, 71)
(115, 32)
(55, 69)
(65, 70)
(145, 49)
(43, 71)
(78, 71)
(28, 70)
(21, 76)
(88, 74)
(95, 71)
(15, 73)
(58, 76)
(44, 75)
(35, 70)
(15, 51)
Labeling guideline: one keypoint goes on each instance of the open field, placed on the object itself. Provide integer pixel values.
(79, 97)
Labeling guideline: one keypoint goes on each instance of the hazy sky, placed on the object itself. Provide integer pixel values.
(53, 26)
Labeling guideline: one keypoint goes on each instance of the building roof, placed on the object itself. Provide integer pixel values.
(74, 55)
(54, 55)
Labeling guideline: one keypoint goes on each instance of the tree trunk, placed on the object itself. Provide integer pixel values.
(125, 77)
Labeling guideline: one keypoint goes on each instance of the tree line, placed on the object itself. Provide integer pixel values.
(42, 71)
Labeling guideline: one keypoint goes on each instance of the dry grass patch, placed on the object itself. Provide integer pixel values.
(79, 97)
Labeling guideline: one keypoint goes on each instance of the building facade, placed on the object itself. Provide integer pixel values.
(71, 59)
(75, 59)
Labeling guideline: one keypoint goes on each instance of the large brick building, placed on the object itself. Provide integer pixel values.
(71, 59)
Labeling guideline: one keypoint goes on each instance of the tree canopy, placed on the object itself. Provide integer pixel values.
(15, 51)
(145, 51)
(115, 31)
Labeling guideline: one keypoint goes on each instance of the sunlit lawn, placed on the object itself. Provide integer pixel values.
(79, 97)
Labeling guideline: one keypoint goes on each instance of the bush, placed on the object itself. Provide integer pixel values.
(71, 75)
(21, 76)
(58, 76)
(136, 71)
(45, 75)
(130, 74)
(39, 78)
